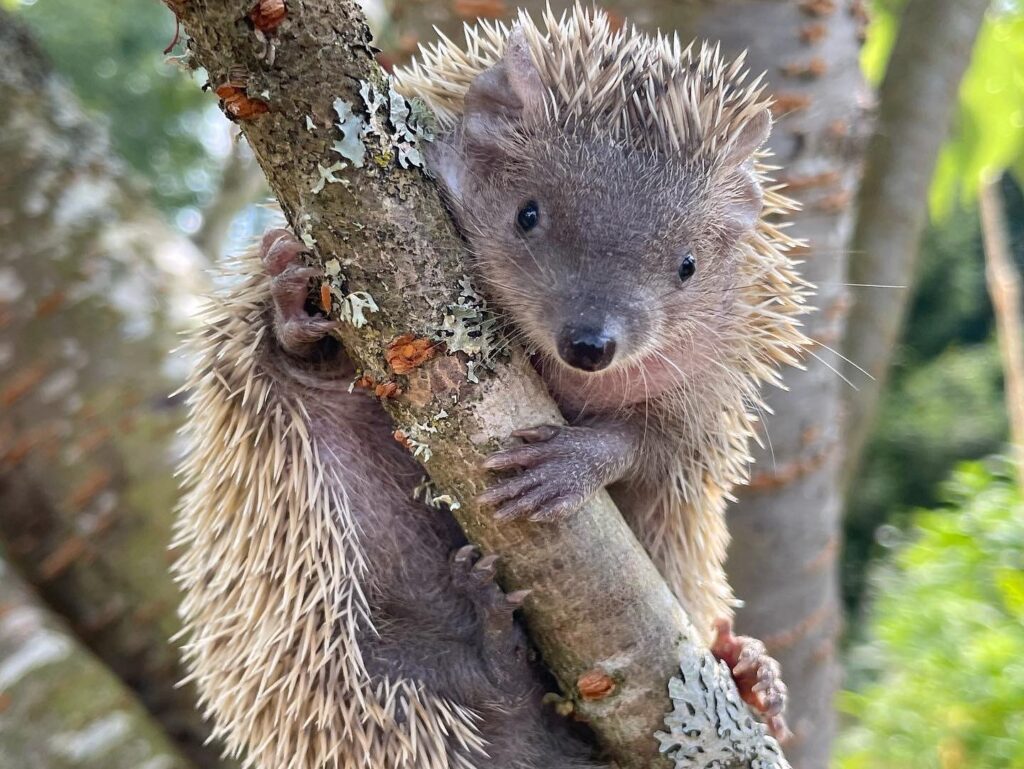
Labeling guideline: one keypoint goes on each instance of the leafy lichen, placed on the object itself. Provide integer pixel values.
(468, 326)
(709, 726)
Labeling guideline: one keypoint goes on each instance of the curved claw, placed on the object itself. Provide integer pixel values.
(536, 434)
(525, 456)
(508, 488)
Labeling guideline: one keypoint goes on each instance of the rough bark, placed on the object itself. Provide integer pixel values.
(60, 707)
(916, 102)
(86, 491)
(1004, 286)
(786, 525)
(597, 601)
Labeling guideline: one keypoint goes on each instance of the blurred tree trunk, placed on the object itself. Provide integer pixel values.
(786, 526)
(916, 102)
(86, 428)
(1004, 287)
(60, 707)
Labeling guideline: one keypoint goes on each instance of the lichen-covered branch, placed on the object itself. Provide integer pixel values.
(916, 103)
(60, 708)
(340, 153)
(86, 486)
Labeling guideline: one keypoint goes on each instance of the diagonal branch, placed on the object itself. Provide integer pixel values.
(598, 605)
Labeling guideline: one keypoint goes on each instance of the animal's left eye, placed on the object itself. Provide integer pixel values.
(687, 267)
(528, 216)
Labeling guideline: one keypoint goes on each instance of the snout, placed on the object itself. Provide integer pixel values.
(586, 348)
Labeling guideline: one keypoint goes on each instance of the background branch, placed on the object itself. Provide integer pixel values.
(916, 102)
(1004, 288)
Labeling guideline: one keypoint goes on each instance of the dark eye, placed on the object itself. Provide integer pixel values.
(528, 216)
(687, 267)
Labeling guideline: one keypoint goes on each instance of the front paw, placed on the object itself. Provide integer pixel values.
(560, 468)
(758, 676)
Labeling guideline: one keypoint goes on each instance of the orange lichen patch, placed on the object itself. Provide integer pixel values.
(595, 685)
(859, 11)
(789, 102)
(325, 297)
(836, 202)
(787, 638)
(267, 15)
(813, 32)
(402, 438)
(616, 21)
(818, 7)
(93, 440)
(238, 105)
(838, 129)
(824, 557)
(89, 488)
(480, 9)
(408, 352)
(810, 181)
(365, 382)
(814, 67)
(783, 475)
(387, 390)
(61, 559)
(50, 303)
(21, 384)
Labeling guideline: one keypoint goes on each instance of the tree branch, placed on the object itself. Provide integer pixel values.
(917, 99)
(59, 706)
(598, 604)
(1004, 288)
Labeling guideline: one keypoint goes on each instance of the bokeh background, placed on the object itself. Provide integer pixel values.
(121, 184)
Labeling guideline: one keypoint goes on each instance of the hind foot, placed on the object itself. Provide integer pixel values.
(757, 675)
(298, 331)
(474, 577)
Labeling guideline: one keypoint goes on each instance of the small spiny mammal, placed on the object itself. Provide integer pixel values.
(333, 620)
(607, 184)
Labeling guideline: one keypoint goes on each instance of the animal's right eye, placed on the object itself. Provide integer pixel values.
(528, 216)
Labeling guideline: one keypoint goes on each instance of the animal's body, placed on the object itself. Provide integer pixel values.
(335, 621)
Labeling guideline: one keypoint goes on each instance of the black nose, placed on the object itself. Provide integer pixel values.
(586, 348)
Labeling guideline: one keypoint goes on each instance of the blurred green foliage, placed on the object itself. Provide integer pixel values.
(941, 677)
(944, 401)
(114, 60)
(988, 134)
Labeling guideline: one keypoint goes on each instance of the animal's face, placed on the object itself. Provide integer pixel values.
(601, 255)
(605, 256)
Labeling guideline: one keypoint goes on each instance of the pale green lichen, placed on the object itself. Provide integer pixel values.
(709, 726)
(398, 125)
(353, 129)
(303, 227)
(354, 307)
(469, 327)
(326, 176)
(427, 492)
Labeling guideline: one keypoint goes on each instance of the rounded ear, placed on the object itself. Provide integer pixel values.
(506, 93)
(751, 136)
(497, 98)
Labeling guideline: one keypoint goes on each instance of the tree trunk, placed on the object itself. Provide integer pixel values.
(86, 430)
(60, 708)
(597, 604)
(786, 526)
(917, 100)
